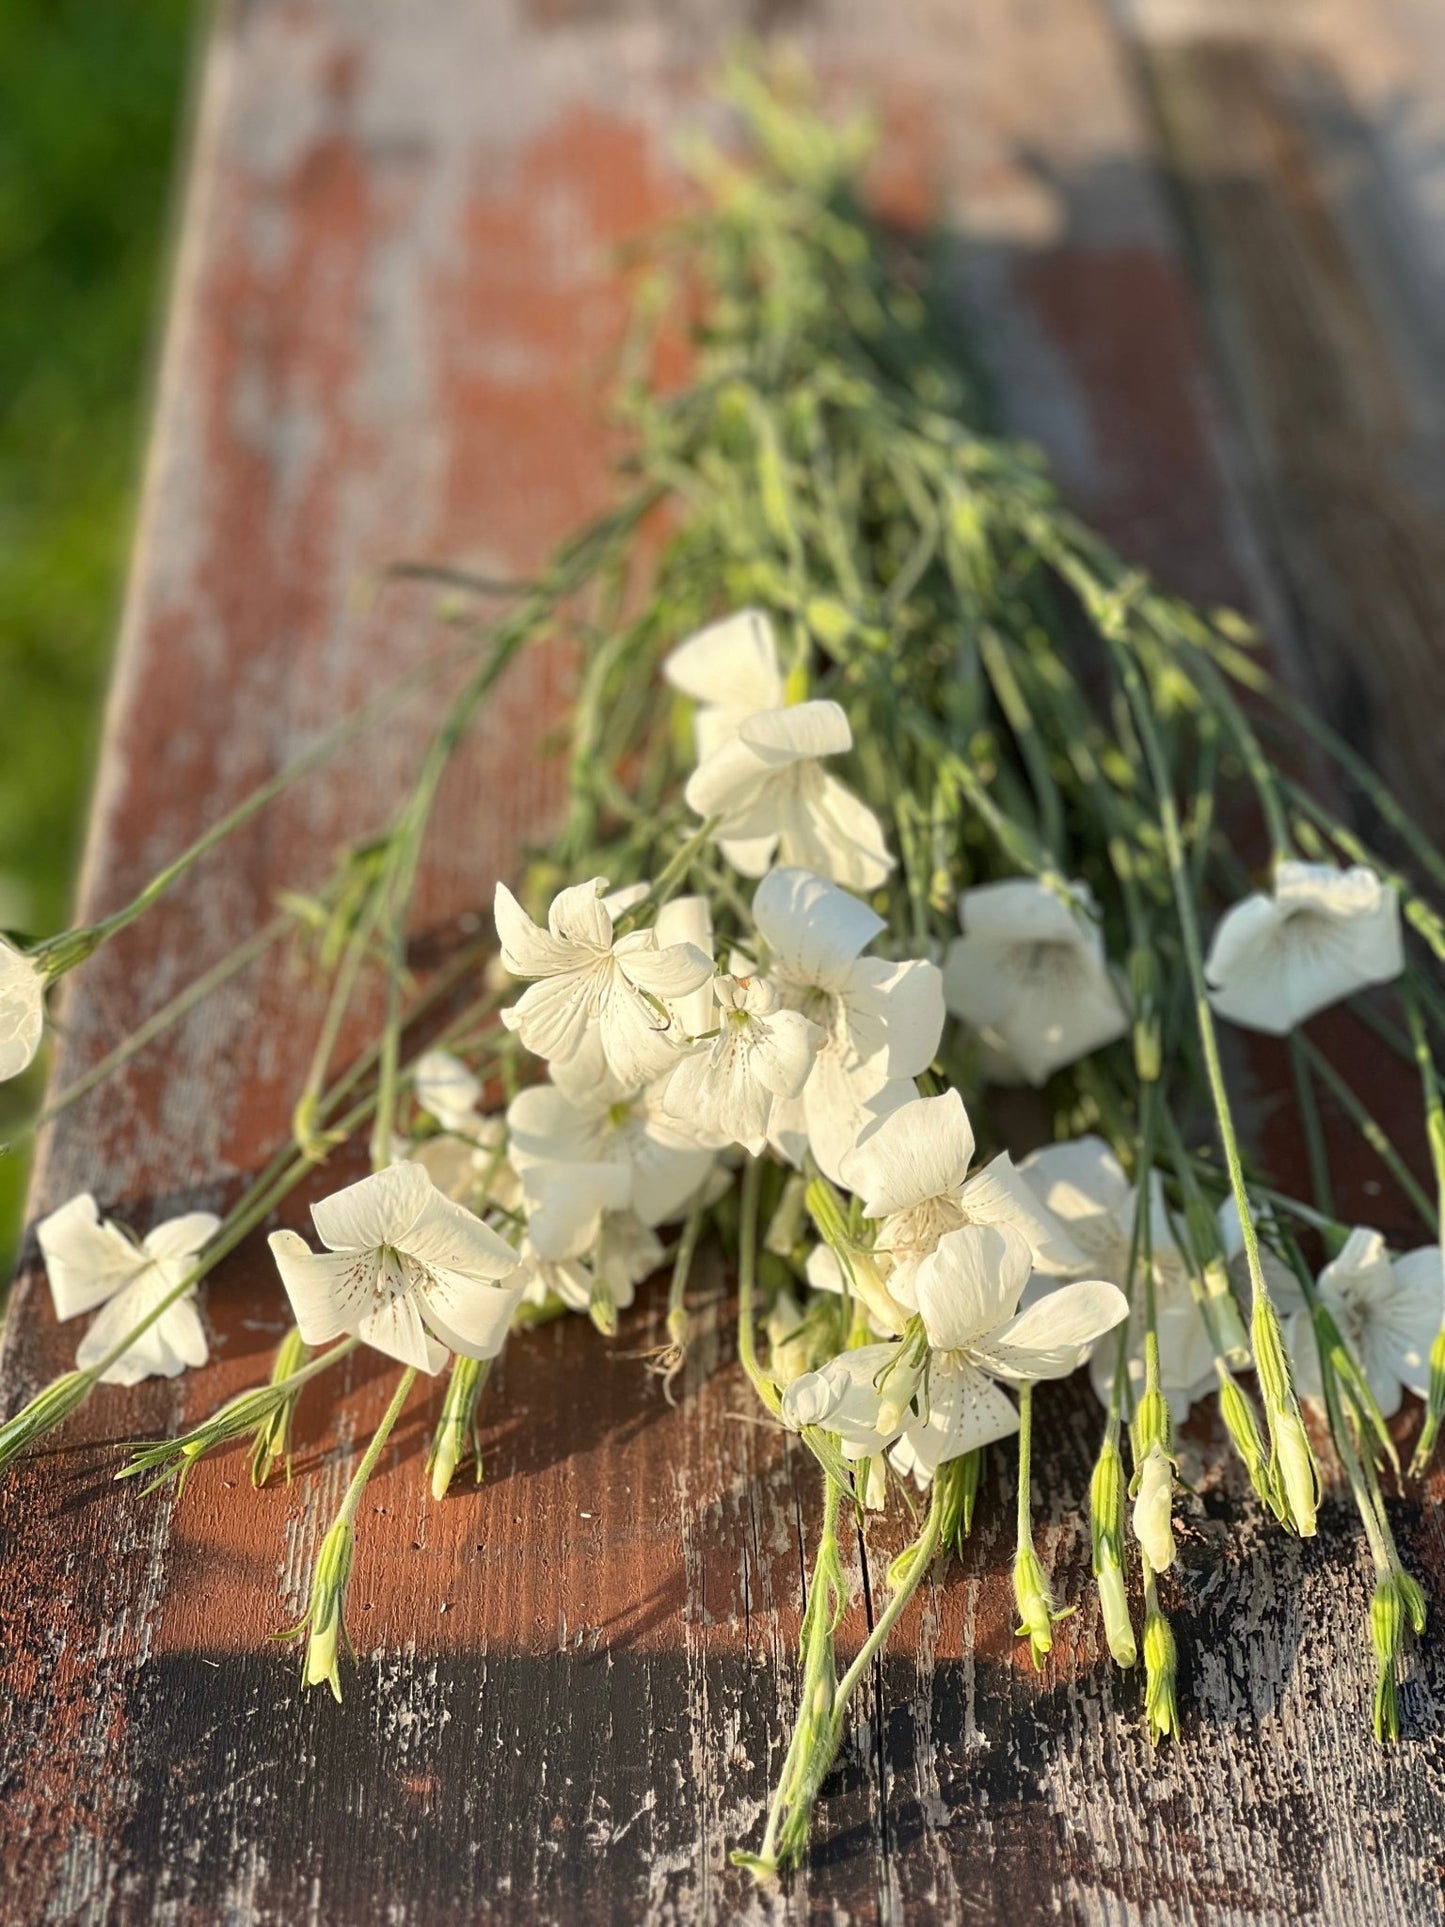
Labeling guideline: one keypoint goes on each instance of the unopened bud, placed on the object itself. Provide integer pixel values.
(1242, 1424)
(1036, 1607)
(1269, 1360)
(1114, 1604)
(602, 1308)
(1387, 1626)
(324, 1622)
(1154, 1509)
(1161, 1665)
(1298, 1477)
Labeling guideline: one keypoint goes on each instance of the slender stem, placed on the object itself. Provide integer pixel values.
(1194, 957)
(374, 1451)
(169, 1013)
(1316, 1150)
(924, 1548)
(382, 708)
(1026, 1438)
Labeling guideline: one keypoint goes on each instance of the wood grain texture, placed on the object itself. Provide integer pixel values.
(395, 301)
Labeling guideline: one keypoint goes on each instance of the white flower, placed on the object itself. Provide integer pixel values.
(773, 799)
(725, 1090)
(1029, 975)
(91, 1261)
(1083, 1185)
(404, 1267)
(730, 669)
(22, 1011)
(1388, 1311)
(882, 1020)
(968, 1296)
(588, 984)
(587, 1144)
(911, 1173)
(1322, 934)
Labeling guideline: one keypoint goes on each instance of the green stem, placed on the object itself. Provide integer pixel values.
(378, 1444)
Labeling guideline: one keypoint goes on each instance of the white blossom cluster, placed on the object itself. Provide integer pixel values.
(805, 1044)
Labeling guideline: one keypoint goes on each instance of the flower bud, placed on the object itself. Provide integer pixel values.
(602, 1308)
(1036, 1607)
(1161, 1665)
(1387, 1627)
(324, 1614)
(1242, 1424)
(1153, 1509)
(1114, 1604)
(1296, 1474)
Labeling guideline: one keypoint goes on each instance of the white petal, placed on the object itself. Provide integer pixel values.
(823, 1270)
(688, 920)
(177, 1338)
(825, 827)
(378, 1210)
(715, 1090)
(801, 733)
(897, 1008)
(182, 1237)
(526, 950)
(395, 1328)
(448, 1237)
(729, 781)
(86, 1260)
(1081, 1182)
(1417, 1314)
(1018, 910)
(469, 1317)
(966, 1410)
(445, 1089)
(1001, 1194)
(814, 930)
(669, 973)
(838, 1106)
(923, 1150)
(976, 984)
(545, 1123)
(330, 1291)
(551, 1017)
(1054, 1334)
(750, 856)
(971, 1283)
(784, 1046)
(733, 663)
(565, 1203)
(638, 1042)
(579, 916)
(842, 1398)
(1050, 1023)
(22, 1010)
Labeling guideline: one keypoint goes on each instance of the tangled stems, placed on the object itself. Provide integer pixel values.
(1295, 1474)
(818, 1736)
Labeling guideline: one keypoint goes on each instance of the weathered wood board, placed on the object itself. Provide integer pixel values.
(394, 305)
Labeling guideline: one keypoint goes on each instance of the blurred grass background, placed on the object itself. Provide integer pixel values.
(91, 100)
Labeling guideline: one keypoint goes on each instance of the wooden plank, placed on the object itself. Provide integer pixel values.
(1304, 148)
(395, 298)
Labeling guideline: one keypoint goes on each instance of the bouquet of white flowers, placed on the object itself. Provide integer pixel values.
(890, 786)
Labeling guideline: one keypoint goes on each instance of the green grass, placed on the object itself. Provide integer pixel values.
(90, 100)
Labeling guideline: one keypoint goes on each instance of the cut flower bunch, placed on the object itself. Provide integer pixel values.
(890, 787)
